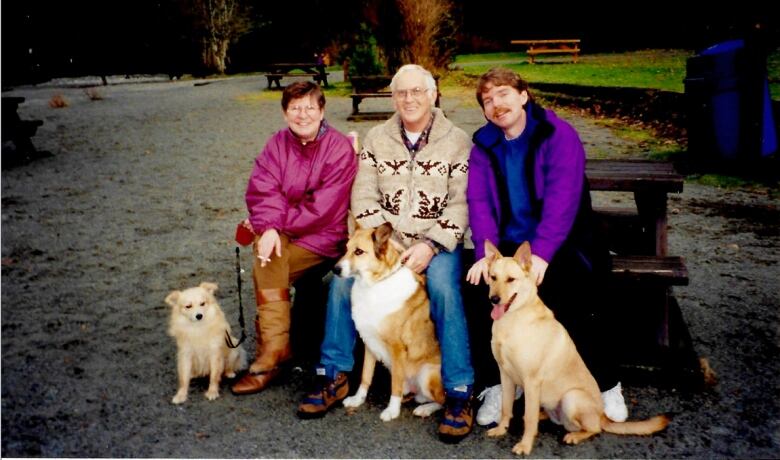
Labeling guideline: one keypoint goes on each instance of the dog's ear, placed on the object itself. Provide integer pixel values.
(172, 298)
(352, 224)
(380, 236)
(491, 252)
(523, 255)
(398, 246)
(211, 288)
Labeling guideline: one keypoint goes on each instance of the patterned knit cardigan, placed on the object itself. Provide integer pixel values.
(421, 198)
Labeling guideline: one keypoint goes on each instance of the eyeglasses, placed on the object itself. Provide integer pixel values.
(416, 93)
(309, 109)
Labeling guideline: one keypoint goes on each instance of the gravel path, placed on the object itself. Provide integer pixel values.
(141, 196)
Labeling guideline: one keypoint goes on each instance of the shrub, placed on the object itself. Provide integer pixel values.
(58, 101)
(93, 94)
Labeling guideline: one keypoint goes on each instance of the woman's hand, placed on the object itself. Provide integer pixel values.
(268, 243)
(417, 257)
(477, 271)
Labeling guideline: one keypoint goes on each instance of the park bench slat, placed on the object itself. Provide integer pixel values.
(668, 270)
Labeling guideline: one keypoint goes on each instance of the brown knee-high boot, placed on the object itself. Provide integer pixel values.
(273, 340)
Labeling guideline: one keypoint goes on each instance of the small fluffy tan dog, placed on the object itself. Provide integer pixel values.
(199, 327)
(392, 314)
(533, 350)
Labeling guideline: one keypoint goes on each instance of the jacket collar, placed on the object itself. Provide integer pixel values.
(441, 127)
(490, 135)
(324, 127)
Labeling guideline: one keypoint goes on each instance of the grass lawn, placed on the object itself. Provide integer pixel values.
(657, 69)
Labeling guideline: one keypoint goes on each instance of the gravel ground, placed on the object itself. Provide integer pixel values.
(141, 195)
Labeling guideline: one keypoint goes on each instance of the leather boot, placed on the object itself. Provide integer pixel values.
(273, 340)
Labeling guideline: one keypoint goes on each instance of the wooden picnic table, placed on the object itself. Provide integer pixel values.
(643, 272)
(651, 182)
(275, 72)
(554, 46)
(17, 131)
(376, 86)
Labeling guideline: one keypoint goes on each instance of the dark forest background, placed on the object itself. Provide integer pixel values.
(43, 39)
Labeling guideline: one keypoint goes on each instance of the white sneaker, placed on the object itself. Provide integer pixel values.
(490, 410)
(614, 405)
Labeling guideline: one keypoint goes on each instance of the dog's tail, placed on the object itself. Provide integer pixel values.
(643, 427)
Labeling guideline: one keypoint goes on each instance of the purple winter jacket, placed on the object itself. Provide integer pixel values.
(558, 163)
(303, 191)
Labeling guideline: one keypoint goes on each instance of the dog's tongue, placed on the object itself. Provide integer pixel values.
(498, 311)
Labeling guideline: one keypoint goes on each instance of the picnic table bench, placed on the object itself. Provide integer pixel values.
(642, 271)
(275, 72)
(554, 46)
(374, 86)
(17, 131)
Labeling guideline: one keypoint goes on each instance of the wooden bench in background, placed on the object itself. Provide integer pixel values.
(555, 46)
(374, 86)
(281, 70)
(17, 133)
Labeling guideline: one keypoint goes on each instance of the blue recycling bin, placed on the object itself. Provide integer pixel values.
(720, 114)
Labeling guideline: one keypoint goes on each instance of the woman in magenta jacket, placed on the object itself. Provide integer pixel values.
(298, 196)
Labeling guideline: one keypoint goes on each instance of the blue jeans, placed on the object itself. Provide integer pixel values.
(444, 275)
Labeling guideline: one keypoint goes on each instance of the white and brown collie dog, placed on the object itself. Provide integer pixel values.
(392, 315)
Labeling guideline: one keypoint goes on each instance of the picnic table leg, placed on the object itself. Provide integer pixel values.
(652, 213)
(663, 330)
(356, 105)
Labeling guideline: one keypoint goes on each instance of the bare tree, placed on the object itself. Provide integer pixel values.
(219, 23)
(427, 29)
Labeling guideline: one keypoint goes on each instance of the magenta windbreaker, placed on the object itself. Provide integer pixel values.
(303, 191)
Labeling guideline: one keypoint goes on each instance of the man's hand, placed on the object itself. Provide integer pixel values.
(417, 257)
(477, 271)
(538, 268)
(268, 243)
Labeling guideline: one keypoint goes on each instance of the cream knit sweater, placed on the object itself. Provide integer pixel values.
(421, 198)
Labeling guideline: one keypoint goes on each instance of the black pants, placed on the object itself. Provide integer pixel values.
(575, 290)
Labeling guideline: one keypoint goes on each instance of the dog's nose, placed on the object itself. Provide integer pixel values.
(495, 299)
(337, 270)
(199, 316)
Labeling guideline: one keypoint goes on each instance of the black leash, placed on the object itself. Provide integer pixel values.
(228, 339)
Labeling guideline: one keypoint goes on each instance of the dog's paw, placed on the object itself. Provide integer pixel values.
(354, 401)
(426, 410)
(497, 431)
(211, 395)
(390, 413)
(230, 375)
(180, 397)
(522, 448)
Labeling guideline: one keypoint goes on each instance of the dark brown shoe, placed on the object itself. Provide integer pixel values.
(458, 419)
(327, 392)
(254, 383)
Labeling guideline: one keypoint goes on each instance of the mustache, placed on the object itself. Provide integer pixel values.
(500, 111)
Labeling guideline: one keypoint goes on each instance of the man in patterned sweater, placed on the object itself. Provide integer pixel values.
(412, 173)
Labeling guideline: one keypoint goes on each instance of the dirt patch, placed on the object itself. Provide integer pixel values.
(142, 195)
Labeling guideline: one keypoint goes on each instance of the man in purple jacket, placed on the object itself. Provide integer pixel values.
(527, 183)
(298, 196)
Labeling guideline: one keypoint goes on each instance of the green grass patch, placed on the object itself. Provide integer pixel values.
(773, 72)
(722, 181)
(489, 57)
(657, 69)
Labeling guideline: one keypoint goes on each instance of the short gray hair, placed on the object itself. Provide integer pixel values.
(429, 81)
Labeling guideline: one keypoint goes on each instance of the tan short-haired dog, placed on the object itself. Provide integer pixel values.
(534, 351)
(199, 327)
(391, 312)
